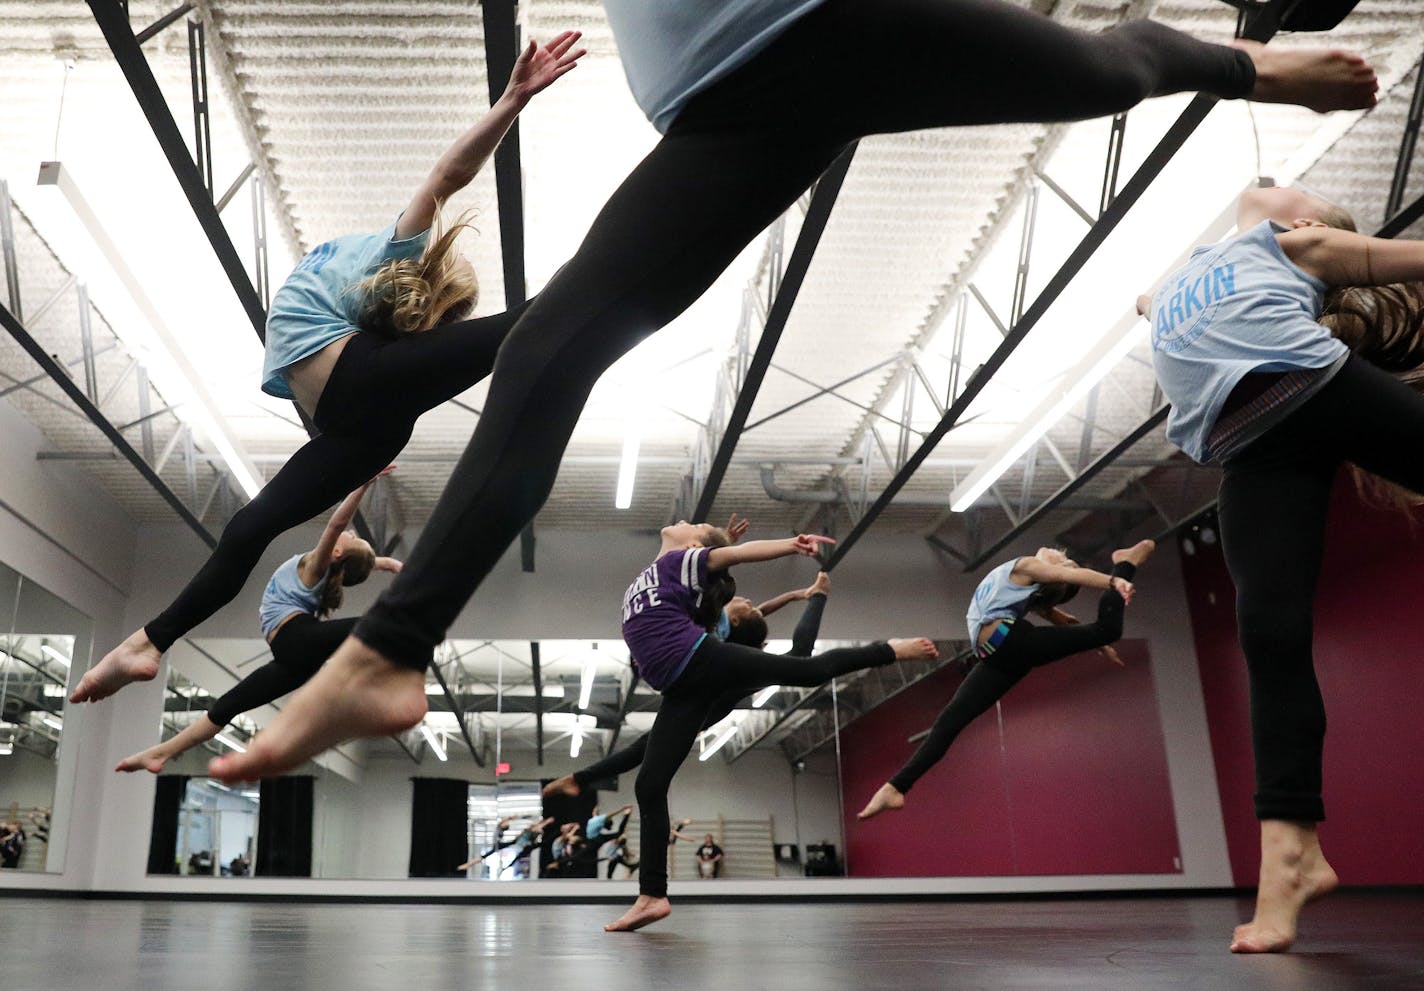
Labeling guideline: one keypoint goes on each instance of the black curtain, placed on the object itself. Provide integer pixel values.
(439, 827)
(163, 843)
(284, 827)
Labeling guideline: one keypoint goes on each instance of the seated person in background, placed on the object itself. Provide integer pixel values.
(240, 867)
(201, 862)
(709, 858)
(12, 844)
(40, 818)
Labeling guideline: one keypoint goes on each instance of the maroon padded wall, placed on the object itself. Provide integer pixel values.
(1067, 776)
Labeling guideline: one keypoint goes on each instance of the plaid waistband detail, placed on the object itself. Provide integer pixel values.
(1230, 426)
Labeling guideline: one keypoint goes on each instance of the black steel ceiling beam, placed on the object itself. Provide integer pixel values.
(537, 672)
(623, 709)
(501, 50)
(114, 23)
(818, 214)
(1083, 477)
(70, 388)
(1261, 26)
(502, 47)
(1404, 219)
(458, 711)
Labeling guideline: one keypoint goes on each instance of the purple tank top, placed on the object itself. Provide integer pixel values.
(657, 615)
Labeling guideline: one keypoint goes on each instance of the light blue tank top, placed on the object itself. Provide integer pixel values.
(315, 307)
(997, 597)
(285, 594)
(674, 49)
(1237, 307)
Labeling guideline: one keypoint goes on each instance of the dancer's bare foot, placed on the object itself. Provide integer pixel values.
(1323, 80)
(887, 799)
(645, 911)
(1136, 555)
(914, 649)
(561, 786)
(357, 692)
(150, 760)
(136, 659)
(1293, 872)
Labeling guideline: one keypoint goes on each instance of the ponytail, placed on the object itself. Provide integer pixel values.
(352, 568)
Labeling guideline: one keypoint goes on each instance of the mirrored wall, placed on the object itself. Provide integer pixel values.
(44, 640)
(770, 791)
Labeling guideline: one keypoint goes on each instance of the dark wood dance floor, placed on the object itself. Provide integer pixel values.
(1353, 940)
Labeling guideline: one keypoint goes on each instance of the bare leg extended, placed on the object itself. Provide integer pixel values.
(198, 732)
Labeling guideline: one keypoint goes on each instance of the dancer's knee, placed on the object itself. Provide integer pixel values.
(1274, 640)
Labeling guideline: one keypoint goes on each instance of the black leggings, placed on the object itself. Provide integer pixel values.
(734, 160)
(376, 392)
(1026, 647)
(300, 647)
(604, 836)
(621, 761)
(716, 671)
(621, 858)
(1275, 496)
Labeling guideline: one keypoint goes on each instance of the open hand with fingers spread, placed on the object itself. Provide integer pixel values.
(538, 66)
(737, 527)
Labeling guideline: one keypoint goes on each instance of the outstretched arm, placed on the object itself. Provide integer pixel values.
(784, 599)
(1344, 258)
(315, 562)
(1039, 572)
(821, 586)
(537, 67)
(805, 544)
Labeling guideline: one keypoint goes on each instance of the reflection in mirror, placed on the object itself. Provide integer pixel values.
(44, 637)
(200, 827)
(763, 781)
(217, 830)
(505, 831)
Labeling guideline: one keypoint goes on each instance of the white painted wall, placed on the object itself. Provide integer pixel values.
(58, 530)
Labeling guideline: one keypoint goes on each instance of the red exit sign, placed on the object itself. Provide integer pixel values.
(501, 768)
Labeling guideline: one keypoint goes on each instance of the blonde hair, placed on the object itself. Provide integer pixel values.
(1335, 216)
(409, 295)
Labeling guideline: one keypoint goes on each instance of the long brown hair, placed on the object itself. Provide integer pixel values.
(408, 295)
(1385, 326)
(351, 568)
